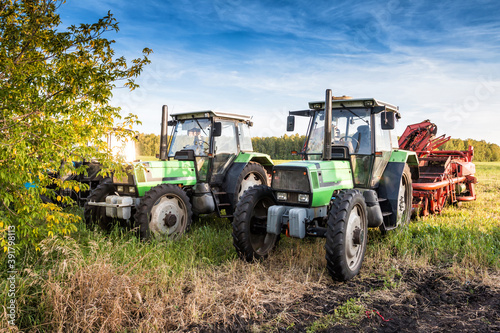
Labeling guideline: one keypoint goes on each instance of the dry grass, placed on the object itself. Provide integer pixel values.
(92, 294)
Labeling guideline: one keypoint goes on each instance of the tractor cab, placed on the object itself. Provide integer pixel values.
(362, 131)
(212, 139)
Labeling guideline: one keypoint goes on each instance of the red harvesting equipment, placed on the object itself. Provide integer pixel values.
(446, 176)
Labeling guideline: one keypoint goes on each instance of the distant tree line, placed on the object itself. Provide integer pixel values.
(148, 144)
(483, 151)
(279, 148)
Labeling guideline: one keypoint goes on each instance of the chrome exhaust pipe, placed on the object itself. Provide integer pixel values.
(327, 143)
(164, 134)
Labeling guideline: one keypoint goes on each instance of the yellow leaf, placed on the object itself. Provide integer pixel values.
(76, 188)
(59, 198)
(51, 234)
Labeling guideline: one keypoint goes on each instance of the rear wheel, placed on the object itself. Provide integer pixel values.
(404, 204)
(95, 214)
(252, 175)
(346, 235)
(164, 210)
(405, 198)
(250, 237)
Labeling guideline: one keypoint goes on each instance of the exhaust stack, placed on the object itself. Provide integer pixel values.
(164, 134)
(327, 142)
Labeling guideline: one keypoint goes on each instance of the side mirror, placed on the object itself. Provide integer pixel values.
(290, 123)
(217, 129)
(171, 123)
(388, 120)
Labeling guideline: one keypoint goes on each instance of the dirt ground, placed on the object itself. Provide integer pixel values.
(417, 302)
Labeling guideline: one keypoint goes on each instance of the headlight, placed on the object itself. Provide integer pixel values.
(131, 189)
(281, 196)
(304, 198)
(119, 188)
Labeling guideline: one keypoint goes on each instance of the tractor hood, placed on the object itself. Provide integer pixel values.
(320, 178)
(149, 174)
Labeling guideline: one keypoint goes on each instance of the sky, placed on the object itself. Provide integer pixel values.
(437, 60)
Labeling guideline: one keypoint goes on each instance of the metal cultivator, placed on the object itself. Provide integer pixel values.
(446, 176)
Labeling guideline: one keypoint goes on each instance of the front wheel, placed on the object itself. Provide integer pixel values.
(250, 237)
(346, 235)
(164, 210)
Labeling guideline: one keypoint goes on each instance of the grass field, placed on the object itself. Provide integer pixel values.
(423, 278)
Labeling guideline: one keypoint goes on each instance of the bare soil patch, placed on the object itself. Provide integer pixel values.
(427, 301)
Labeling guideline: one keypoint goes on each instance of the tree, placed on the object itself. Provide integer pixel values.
(55, 88)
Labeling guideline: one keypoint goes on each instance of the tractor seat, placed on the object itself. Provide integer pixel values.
(364, 140)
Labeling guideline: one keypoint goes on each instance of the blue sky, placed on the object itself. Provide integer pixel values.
(437, 60)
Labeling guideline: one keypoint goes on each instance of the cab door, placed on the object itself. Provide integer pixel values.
(225, 150)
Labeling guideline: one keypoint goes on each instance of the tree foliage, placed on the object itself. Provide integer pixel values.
(280, 148)
(55, 88)
(148, 144)
(483, 151)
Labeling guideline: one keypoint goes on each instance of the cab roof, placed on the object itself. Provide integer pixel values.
(340, 103)
(209, 114)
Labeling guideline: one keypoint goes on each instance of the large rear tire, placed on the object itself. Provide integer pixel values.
(405, 198)
(250, 237)
(97, 215)
(346, 236)
(164, 210)
(253, 174)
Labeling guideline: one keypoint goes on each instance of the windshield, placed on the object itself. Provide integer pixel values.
(191, 134)
(350, 128)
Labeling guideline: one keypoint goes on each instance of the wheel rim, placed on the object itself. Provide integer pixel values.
(402, 202)
(168, 216)
(262, 242)
(355, 235)
(252, 179)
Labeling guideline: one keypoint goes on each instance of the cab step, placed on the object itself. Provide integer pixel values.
(222, 203)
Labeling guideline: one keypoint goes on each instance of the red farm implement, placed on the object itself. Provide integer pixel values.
(446, 176)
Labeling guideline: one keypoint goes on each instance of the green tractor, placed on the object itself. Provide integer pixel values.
(352, 177)
(205, 168)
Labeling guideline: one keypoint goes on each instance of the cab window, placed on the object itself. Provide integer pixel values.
(244, 137)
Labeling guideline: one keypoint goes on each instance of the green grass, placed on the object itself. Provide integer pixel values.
(116, 282)
(350, 312)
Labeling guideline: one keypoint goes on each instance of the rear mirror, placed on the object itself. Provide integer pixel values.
(171, 123)
(217, 129)
(388, 120)
(290, 123)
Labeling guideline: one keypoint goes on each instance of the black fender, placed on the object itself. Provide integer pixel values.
(232, 175)
(388, 189)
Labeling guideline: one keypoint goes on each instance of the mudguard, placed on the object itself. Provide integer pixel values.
(232, 175)
(390, 182)
(389, 189)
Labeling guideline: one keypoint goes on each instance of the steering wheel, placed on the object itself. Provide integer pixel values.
(349, 137)
(344, 139)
